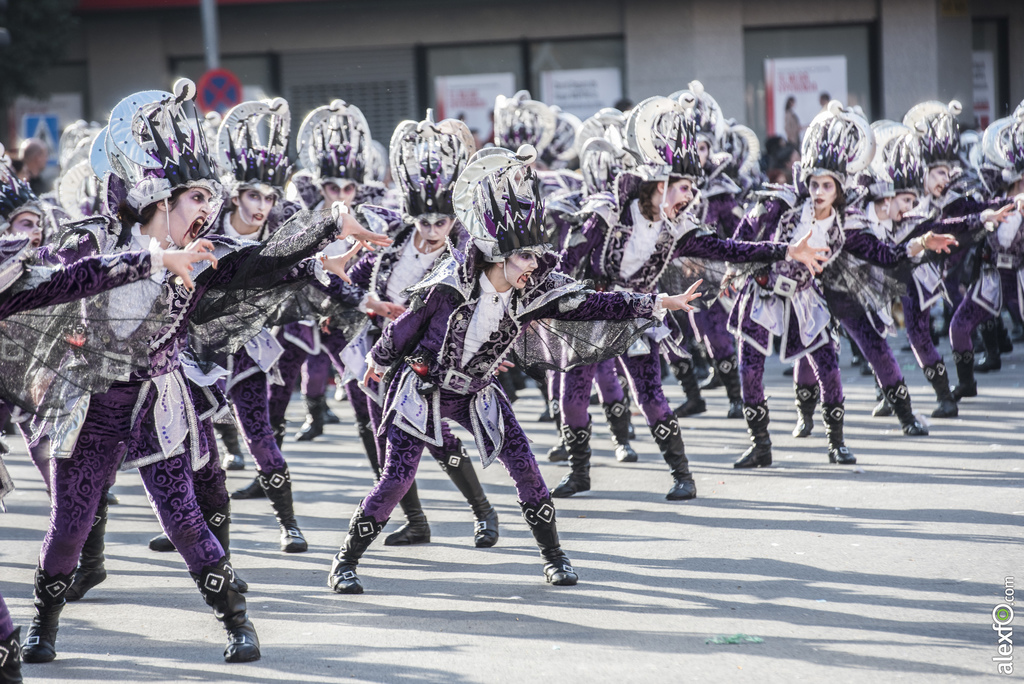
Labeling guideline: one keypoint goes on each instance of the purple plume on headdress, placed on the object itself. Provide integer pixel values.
(520, 223)
(904, 166)
(251, 162)
(184, 154)
(15, 194)
(679, 144)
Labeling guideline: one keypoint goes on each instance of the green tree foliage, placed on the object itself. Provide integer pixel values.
(39, 30)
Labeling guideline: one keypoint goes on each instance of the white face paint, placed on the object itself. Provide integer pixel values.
(27, 224)
(703, 151)
(186, 218)
(344, 193)
(823, 193)
(936, 181)
(432, 230)
(519, 266)
(901, 204)
(253, 206)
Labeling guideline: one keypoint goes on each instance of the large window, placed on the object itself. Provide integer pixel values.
(808, 62)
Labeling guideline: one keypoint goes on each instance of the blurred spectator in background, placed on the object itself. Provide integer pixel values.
(624, 104)
(792, 122)
(824, 99)
(31, 162)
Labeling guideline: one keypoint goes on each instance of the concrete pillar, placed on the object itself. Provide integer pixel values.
(658, 47)
(717, 40)
(926, 55)
(124, 55)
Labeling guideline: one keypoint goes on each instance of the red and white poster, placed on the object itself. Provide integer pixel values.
(801, 83)
(984, 88)
(470, 98)
(581, 91)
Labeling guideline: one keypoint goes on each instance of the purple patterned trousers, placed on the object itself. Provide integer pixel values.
(644, 376)
(969, 314)
(250, 399)
(919, 330)
(80, 480)
(711, 326)
(576, 386)
(402, 458)
(875, 349)
(823, 363)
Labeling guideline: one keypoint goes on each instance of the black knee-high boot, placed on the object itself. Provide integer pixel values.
(278, 486)
(728, 369)
(617, 413)
(578, 478)
(316, 410)
(362, 530)
(990, 332)
(966, 385)
(416, 529)
(558, 453)
(91, 570)
(670, 441)
(217, 585)
(939, 380)
(10, 658)
(759, 454)
(694, 404)
(838, 452)
(50, 597)
(228, 433)
(369, 441)
(898, 396)
(459, 468)
(806, 401)
(541, 519)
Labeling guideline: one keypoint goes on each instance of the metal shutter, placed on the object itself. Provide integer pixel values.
(381, 82)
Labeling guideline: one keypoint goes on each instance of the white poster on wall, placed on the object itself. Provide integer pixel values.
(470, 98)
(581, 91)
(984, 87)
(808, 81)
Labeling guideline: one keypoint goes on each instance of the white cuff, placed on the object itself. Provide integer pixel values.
(372, 365)
(319, 272)
(659, 310)
(364, 301)
(156, 259)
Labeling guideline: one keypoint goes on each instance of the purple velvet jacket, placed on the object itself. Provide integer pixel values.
(435, 330)
(83, 278)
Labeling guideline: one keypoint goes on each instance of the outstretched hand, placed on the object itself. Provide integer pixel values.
(338, 264)
(939, 242)
(388, 310)
(351, 228)
(180, 262)
(811, 257)
(681, 302)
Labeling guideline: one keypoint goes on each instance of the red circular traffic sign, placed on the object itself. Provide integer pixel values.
(218, 91)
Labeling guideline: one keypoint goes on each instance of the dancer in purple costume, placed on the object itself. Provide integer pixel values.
(786, 299)
(999, 274)
(167, 201)
(943, 210)
(602, 158)
(440, 357)
(334, 147)
(426, 158)
(28, 285)
(860, 303)
(628, 249)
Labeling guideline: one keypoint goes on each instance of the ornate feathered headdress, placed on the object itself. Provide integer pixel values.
(838, 143)
(602, 160)
(497, 198)
(519, 120)
(426, 158)
(742, 145)
(938, 132)
(333, 142)
(1003, 146)
(16, 197)
(707, 114)
(562, 148)
(597, 127)
(904, 166)
(662, 133)
(155, 143)
(241, 149)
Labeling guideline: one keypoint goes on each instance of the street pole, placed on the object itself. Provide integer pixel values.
(210, 45)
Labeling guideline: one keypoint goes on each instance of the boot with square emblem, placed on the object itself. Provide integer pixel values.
(278, 486)
(50, 597)
(362, 530)
(457, 464)
(541, 519)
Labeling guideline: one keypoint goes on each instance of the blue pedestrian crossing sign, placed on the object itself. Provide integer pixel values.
(44, 126)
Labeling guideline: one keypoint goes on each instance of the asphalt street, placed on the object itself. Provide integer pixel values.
(886, 571)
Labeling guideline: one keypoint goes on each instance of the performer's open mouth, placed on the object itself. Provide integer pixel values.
(196, 226)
